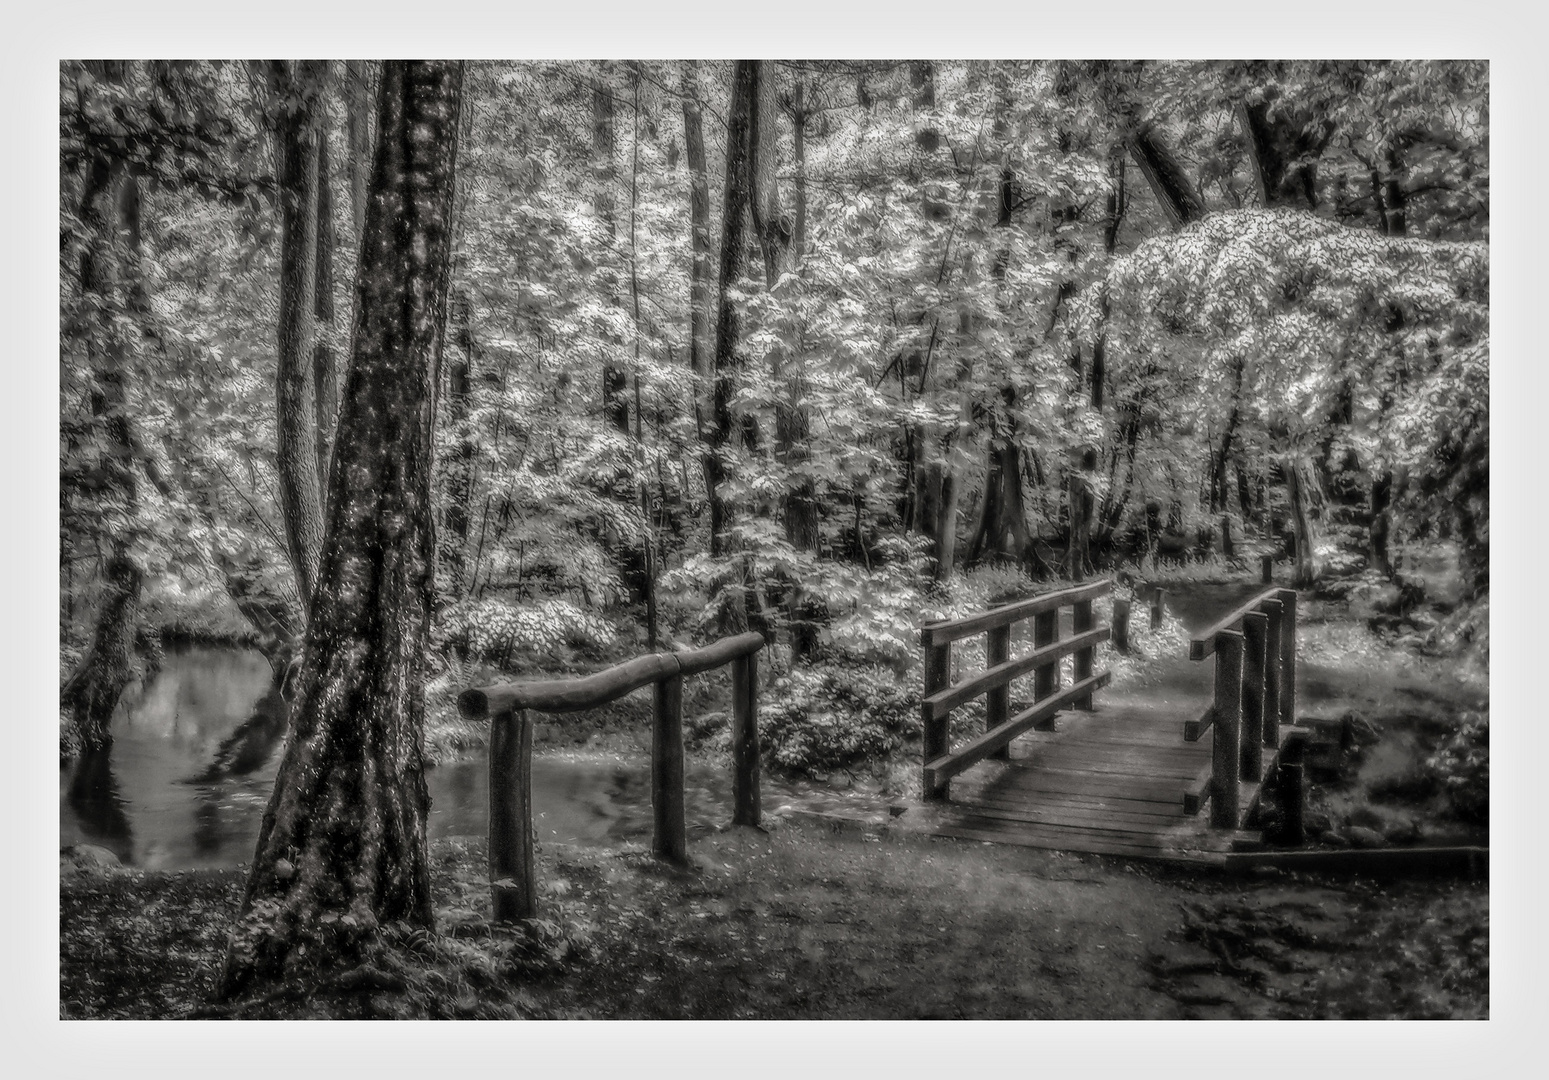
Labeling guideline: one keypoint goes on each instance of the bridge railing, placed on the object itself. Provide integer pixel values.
(1255, 699)
(941, 762)
(506, 705)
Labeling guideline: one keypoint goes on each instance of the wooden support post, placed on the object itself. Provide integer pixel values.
(669, 839)
(1121, 625)
(997, 702)
(934, 738)
(1226, 753)
(1046, 679)
(1156, 607)
(1293, 793)
(1255, 629)
(513, 888)
(1287, 598)
(1266, 568)
(747, 808)
(1086, 656)
(1271, 608)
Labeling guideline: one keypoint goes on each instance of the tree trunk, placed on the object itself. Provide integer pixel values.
(453, 547)
(342, 848)
(799, 152)
(357, 114)
(1304, 555)
(1281, 154)
(325, 366)
(94, 688)
(296, 90)
(615, 380)
(1167, 177)
(699, 267)
(726, 361)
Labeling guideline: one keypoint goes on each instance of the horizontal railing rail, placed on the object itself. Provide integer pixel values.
(940, 762)
(513, 883)
(1254, 703)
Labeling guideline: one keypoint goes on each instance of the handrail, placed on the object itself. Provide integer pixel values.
(1255, 699)
(948, 630)
(939, 762)
(1202, 644)
(590, 691)
(505, 705)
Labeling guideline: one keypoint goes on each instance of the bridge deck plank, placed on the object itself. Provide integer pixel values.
(1109, 782)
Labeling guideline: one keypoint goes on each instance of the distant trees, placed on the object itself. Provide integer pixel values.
(872, 323)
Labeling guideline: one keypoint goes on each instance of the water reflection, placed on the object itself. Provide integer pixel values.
(195, 753)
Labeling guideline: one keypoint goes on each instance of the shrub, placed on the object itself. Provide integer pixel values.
(1463, 767)
(836, 716)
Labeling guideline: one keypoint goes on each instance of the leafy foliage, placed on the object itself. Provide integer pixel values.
(835, 716)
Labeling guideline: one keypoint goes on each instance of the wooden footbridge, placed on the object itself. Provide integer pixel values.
(1064, 771)
(1060, 770)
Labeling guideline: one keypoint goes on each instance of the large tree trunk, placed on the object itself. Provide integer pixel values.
(1306, 570)
(1168, 179)
(459, 474)
(296, 88)
(615, 380)
(108, 205)
(728, 325)
(700, 266)
(1282, 153)
(325, 362)
(342, 849)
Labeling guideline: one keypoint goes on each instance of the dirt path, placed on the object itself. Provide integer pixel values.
(811, 922)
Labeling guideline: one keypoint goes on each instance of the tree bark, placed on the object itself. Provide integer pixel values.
(357, 114)
(1304, 556)
(459, 474)
(699, 268)
(728, 324)
(325, 366)
(93, 690)
(615, 380)
(342, 848)
(296, 89)
(1167, 177)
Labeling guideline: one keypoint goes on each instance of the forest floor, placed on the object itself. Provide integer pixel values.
(809, 921)
(815, 918)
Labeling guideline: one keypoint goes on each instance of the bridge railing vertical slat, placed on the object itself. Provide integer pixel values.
(997, 702)
(1226, 754)
(1082, 621)
(1272, 659)
(1255, 628)
(1046, 678)
(934, 738)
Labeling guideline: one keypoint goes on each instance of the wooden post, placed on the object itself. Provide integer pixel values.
(1226, 754)
(1293, 793)
(1121, 625)
(934, 738)
(1046, 679)
(746, 806)
(513, 889)
(997, 702)
(1287, 598)
(1266, 568)
(1255, 629)
(1271, 608)
(1084, 657)
(1156, 607)
(669, 839)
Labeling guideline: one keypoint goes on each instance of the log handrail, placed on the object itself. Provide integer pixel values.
(513, 883)
(1255, 701)
(938, 760)
(945, 631)
(590, 691)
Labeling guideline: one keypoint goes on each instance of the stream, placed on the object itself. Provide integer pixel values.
(195, 751)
